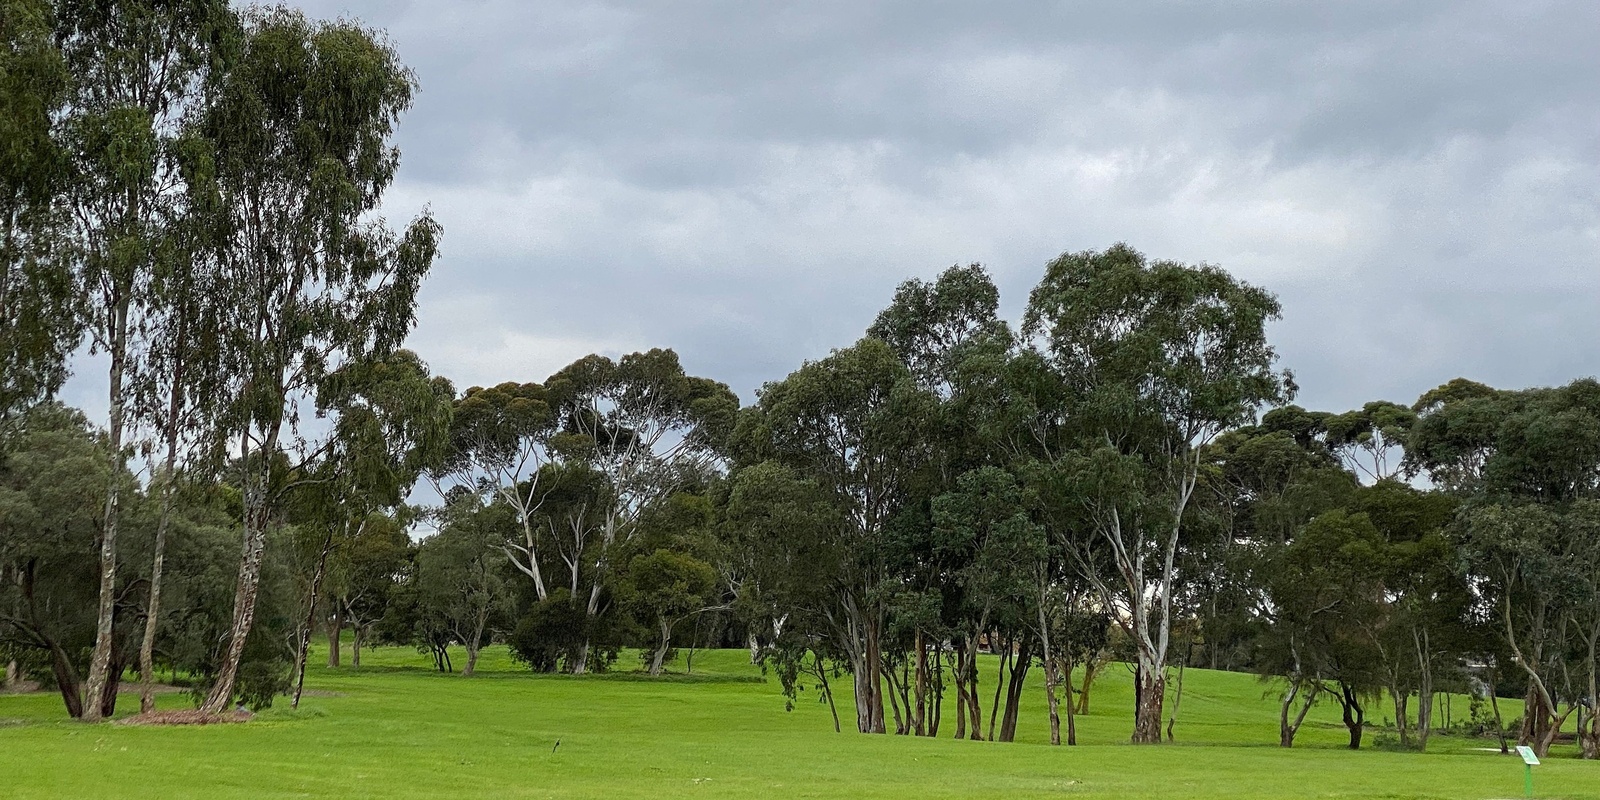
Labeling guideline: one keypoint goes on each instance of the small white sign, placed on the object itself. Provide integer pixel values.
(1527, 755)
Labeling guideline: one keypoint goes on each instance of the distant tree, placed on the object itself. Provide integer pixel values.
(1155, 359)
(460, 588)
(665, 588)
(500, 447)
(850, 425)
(648, 428)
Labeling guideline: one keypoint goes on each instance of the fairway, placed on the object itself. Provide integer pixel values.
(396, 729)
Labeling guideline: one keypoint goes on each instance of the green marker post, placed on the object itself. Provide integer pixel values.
(1529, 761)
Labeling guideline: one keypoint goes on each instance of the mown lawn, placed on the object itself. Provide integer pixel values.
(397, 729)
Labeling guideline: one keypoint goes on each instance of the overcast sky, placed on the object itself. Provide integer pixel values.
(747, 182)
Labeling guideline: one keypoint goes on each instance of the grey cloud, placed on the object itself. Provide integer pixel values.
(746, 182)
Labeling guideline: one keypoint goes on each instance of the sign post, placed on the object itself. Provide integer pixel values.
(1529, 761)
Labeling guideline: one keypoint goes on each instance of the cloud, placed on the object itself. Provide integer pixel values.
(747, 182)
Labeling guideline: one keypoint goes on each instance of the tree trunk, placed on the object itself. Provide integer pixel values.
(1424, 650)
(1050, 681)
(100, 659)
(1091, 668)
(472, 659)
(959, 673)
(868, 681)
(13, 674)
(1072, 715)
(1354, 715)
(1402, 714)
(1018, 680)
(755, 649)
(937, 703)
(1286, 728)
(919, 714)
(304, 645)
(999, 684)
(827, 689)
(152, 614)
(1152, 686)
(66, 681)
(662, 644)
(1499, 726)
(1177, 697)
(335, 635)
(244, 598)
(357, 636)
(108, 693)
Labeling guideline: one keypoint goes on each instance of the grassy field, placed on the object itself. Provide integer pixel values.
(396, 729)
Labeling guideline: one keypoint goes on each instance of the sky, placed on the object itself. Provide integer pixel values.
(1419, 182)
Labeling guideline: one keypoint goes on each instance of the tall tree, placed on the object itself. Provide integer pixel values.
(136, 67)
(851, 423)
(1156, 359)
(391, 418)
(298, 130)
(38, 323)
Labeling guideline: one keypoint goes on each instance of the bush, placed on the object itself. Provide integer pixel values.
(551, 634)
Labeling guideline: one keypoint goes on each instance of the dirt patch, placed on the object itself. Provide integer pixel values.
(185, 717)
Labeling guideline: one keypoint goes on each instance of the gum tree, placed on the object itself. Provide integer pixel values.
(1155, 359)
(298, 127)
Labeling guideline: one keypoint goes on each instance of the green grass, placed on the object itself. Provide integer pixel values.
(396, 729)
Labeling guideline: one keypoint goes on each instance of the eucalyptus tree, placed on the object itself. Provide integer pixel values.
(852, 424)
(136, 68)
(295, 153)
(177, 388)
(950, 337)
(645, 426)
(460, 585)
(1371, 440)
(666, 587)
(38, 323)
(48, 581)
(1527, 467)
(500, 447)
(1155, 359)
(783, 527)
(390, 422)
(985, 516)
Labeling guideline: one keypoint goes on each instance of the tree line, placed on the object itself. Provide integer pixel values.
(1120, 477)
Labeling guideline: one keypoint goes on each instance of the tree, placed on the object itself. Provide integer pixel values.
(985, 516)
(48, 583)
(500, 445)
(1370, 440)
(460, 589)
(1526, 466)
(648, 428)
(391, 418)
(136, 66)
(294, 157)
(666, 587)
(851, 425)
(1323, 593)
(1156, 359)
(38, 322)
